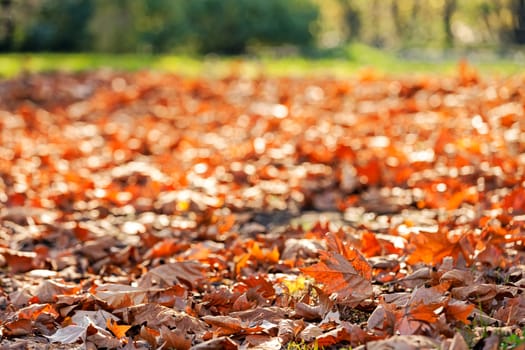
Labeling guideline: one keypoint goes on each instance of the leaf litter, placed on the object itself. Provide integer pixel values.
(236, 212)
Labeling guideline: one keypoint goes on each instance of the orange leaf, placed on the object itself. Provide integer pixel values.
(17, 328)
(514, 202)
(459, 311)
(432, 247)
(342, 276)
(351, 254)
(163, 248)
(423, 312)
(150, 335)
(241, 262)
(118, 330)
(19, 261)
(370, 246)
(32, 312)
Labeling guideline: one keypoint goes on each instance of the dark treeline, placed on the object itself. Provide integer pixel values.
(237, 26)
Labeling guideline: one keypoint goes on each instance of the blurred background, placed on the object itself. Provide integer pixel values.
(324, 28)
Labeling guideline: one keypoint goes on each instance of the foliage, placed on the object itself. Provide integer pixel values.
(51, 28)
(162, 25)
(252, 26)
(228, 26)
(148, 210)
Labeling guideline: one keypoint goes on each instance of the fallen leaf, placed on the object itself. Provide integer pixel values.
(68, 335)
(174, 339)
(403, 342)
(189, 273)
(338, 275)
(118, 330)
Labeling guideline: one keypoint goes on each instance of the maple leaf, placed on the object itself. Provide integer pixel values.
(190, 273)
(118, 295)
(174, 339)
(17, 328)
(227, 325)
(118, 330)
(19, 261)
(150, 335)
(346, 332)
(415, 319)
(49, 290)
(459, 311)
(345, 277)
(432, 247)
(513, 310)
(514, 202)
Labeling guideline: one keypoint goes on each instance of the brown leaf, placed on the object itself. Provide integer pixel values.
(404, 342)
(48, 290)
(457, 278)
(19, 261)
(118, 295)
(512, 311)
(217, 343)
(346, 332)
(155, 315)
(383, 319)
(227, 325)
(458, 343)
(32, 312)
(189, 273)
(174, 339)
(260, 314)
(150, 335)
(17, 328)
(289, 329)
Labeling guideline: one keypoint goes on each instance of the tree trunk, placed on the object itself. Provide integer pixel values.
(519, 22)
(396, 17)
(448, 10)
(352, 20)
(8, 30)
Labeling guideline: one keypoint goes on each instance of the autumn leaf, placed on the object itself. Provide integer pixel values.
(338, 275)
(32, 312)
(190, 273)
(346, 332)
(174, 339)
(118, 296)
(163, 248)
(68, 335)
(118, 330)
(358, 261)
(432, 247)
(226, 325)
(17, 328)
(160, 210)
(459, 311)
(150, 335)
(19, 261)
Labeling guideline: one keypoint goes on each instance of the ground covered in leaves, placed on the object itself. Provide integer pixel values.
(147, 210)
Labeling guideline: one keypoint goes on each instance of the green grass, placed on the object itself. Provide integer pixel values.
(347, 61)
(512, 341)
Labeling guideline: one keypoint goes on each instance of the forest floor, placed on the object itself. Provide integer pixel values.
(146, 210)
